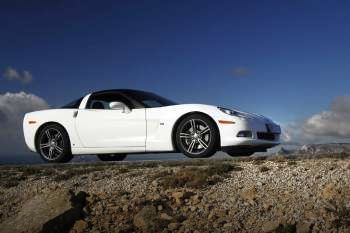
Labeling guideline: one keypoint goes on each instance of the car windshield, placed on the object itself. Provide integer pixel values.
(150, 100)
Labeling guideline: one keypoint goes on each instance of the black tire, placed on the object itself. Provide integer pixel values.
(58, 143)
(190, 140)
(112, 157)
(237, 154)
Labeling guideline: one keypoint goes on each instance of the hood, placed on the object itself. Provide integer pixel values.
(253, 116)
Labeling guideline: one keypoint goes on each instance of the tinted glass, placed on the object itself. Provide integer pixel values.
(74, 104)
(102, 101)
(150, 100)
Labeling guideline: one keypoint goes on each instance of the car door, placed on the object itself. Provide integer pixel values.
(99, 126)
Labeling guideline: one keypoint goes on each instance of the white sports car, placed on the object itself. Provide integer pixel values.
(113, 123)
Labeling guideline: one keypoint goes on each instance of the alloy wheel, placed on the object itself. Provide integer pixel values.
(51, 144)
(195, 136)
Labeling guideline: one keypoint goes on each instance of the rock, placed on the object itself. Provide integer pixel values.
(155, 183)
(329, 191)
(302, 197)
(37, 211)
(79, 226)
(249, 195)
(303, 227)
(270, 226)
(153, 196)
(125, 208)
(177, 196)
(181, 196)
(146, 219)
(196, 199)
(173, 226)
(228, 225)
(165, 216)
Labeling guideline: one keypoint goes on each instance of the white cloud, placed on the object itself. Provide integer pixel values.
(291, 133)
(331, 125)
(13, 106)
(12, 74)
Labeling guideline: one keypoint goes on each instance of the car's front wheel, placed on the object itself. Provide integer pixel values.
(111, 157)
(197, 136)
(53, 144)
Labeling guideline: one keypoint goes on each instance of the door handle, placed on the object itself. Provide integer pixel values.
(75, 114)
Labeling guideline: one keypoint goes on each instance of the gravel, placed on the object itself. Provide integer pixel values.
(261, 196)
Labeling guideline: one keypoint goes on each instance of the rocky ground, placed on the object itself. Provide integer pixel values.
(252, 195)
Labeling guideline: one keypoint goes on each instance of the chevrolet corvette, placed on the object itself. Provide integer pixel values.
(114, 123)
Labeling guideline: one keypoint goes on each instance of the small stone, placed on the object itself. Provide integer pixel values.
(196, 199)
(270, 226)
(173, 226)
(165, 216)
(80, 226)
(249, 195)
(329, 191)
(160, 207)
(181, 196)
(178, 197)
(145, 219)
(125, 208)
(155, 183)
(303, 227)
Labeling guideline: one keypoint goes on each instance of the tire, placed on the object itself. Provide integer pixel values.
(53, 144)
(197, 136)
(112, 157)
(237, 154)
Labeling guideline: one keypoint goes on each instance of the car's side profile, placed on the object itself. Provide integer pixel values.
(113, 123)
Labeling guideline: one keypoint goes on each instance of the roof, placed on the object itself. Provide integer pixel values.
(118, 90)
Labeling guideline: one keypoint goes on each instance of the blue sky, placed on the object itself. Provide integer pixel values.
(296, 53)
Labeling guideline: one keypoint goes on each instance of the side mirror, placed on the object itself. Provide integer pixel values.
(119, 106)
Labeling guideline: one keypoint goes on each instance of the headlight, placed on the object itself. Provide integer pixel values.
(230, 112)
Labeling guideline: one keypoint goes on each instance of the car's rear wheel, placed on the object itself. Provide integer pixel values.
(111, 157)
(197, 136)
(53, 144)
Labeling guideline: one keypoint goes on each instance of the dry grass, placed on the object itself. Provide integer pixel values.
(197, 177)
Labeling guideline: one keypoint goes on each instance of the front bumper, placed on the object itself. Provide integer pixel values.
(264, 133)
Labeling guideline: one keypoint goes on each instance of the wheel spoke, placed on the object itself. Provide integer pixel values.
(185, 135)
(45, 145)
(193, 125)
(59, 149)
(48, 134)
(203, 131)
(191, 146)
(57, 136)
(202, 143)
(51, 152)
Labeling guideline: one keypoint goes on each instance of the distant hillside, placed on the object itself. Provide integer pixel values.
(316, 150)
(330, 148)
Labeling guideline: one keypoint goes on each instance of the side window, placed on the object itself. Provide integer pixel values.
(102, 101)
